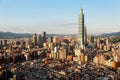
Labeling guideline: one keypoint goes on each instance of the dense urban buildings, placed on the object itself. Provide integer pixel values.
(43, 57)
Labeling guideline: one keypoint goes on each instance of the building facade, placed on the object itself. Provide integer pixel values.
(34, 39)
(81, 31)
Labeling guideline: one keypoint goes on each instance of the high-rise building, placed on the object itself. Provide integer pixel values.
(85, 35)
(39, 41)
(81, 32)
(34, 38)
(44, 36)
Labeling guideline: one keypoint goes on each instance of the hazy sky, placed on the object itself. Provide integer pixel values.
(59, 16)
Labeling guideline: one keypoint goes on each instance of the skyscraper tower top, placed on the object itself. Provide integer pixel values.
(81, 11)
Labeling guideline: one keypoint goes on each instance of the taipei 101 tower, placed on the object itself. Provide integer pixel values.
(81, 31)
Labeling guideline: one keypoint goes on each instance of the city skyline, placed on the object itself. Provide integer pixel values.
(59, 17)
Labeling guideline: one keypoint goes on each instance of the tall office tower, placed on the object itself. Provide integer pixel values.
(85, 35)
(81, 32)
(39, 41)
(44, 36)
(34, 39)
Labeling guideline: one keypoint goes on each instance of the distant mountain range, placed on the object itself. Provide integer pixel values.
(21, 35)
(110, 34)
(4, 35)
(14, 35)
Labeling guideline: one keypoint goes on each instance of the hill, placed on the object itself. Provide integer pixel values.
(110, 34)
(14, 35)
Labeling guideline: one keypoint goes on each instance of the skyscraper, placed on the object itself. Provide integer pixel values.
(44, 36)
(34, 39)
(81, 33)
(39, 40)
(85, 35)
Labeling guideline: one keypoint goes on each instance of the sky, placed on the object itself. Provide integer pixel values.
(59, 16)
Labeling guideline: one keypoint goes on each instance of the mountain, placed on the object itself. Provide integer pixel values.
(21, 35)
(110, 34)
(14, 35)
(4, 35)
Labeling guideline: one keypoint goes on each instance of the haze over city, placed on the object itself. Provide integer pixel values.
(59, 16)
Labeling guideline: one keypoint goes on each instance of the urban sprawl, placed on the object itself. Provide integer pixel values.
(43, 57)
